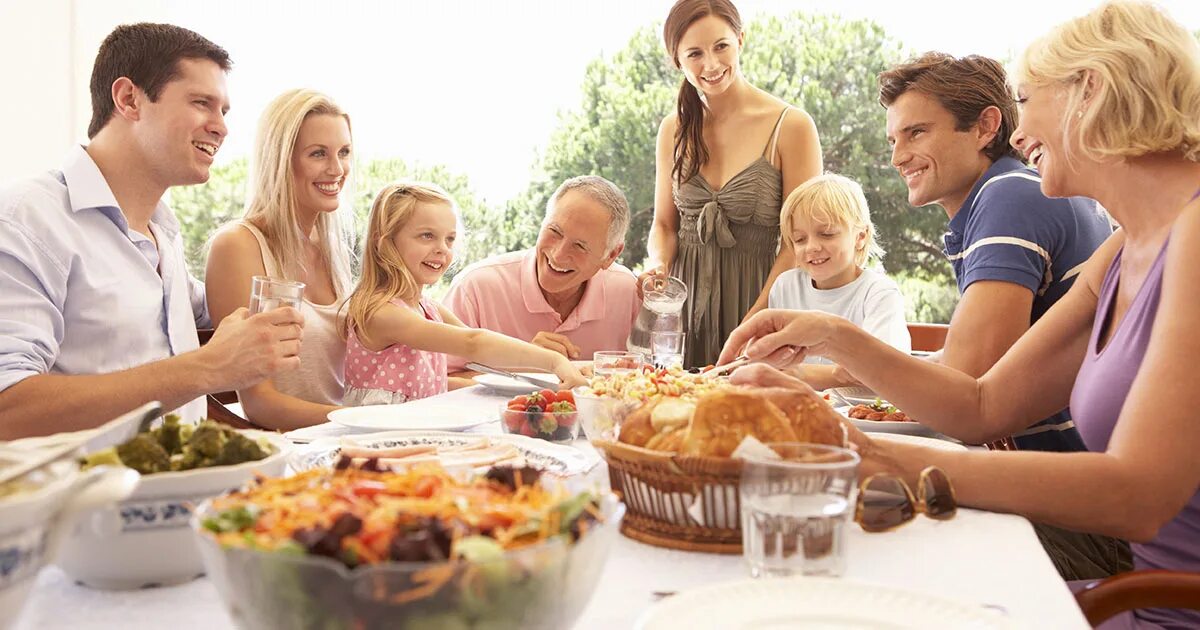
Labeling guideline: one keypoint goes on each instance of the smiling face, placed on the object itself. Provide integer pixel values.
(1040, 138)
(708, 55)
(320, 161)
(572, 245)
(826, 249)
(426, 242)
(180, 133)
(938, 163)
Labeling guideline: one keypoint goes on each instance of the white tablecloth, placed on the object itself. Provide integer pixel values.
(992, 559)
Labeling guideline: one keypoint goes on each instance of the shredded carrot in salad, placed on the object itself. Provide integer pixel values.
(422, 514)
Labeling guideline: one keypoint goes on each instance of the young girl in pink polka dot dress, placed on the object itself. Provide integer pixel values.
(396, 338)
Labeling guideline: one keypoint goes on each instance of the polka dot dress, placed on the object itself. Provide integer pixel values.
(396, 373)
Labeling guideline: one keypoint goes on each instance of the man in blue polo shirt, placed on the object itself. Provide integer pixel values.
(1015, 252)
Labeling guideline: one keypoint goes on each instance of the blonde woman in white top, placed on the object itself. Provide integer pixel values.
(291, 230)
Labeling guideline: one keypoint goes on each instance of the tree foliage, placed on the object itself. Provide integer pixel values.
(824, 64)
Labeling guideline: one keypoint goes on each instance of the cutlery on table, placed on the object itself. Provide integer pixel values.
(487, 369)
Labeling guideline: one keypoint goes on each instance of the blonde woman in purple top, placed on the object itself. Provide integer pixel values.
(1111, 111)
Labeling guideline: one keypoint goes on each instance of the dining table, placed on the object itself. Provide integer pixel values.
(982, 558)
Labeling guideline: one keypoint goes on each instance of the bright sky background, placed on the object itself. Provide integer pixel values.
(477, 84)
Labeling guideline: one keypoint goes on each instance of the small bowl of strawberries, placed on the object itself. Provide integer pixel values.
(546, 415)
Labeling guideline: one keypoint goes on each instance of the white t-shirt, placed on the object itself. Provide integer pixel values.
(872, 302)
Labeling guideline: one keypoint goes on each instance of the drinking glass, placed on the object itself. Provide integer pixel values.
(611, 362)
(795, 509)
(268, 294)
(666, 348)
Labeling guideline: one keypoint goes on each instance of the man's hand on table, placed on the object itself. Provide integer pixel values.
(556, 343)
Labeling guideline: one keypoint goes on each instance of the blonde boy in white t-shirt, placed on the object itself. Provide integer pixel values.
(827, 224)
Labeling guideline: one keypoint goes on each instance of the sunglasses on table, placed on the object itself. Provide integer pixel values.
(886, 502)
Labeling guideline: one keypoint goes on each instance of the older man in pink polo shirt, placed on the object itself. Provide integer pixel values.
(567, 293)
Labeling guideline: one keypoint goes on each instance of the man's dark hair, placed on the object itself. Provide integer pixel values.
(965, 86)
(148, 54)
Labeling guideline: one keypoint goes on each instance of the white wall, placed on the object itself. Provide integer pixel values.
(46, 50)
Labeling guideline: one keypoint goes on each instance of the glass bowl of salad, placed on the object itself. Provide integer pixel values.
(358, 548)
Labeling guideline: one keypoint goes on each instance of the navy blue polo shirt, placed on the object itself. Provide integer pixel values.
(1007, 230)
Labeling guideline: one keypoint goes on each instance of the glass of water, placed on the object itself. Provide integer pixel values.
(267, 294)
(609, 362)
(666, 348)
(795, 509)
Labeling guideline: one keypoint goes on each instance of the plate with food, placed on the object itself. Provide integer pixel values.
(504, 386)
(880, 416)
(402, 449)
(416, 415)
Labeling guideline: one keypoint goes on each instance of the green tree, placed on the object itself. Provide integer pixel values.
(204, 208)
(824, 64)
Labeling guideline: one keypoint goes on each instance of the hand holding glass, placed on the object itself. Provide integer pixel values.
(267, 294)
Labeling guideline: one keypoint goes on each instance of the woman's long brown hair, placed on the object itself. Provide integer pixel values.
(690, 150)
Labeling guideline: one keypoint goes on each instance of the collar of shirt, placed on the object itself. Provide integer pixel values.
(1004, 165)
(590, 307)
(88, 190)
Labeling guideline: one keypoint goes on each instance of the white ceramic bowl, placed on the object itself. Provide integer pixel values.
(33, 523)
(145, 540)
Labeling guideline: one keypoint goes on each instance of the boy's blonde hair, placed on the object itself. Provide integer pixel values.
(384, 274)
(271, 199)
(833, 200)
(1132, 79)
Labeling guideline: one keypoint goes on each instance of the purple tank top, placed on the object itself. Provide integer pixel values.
(1100, 390)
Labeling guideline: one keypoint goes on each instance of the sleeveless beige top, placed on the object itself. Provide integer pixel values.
(322, 352)
(728, 241)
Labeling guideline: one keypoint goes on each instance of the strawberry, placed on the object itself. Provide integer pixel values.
(566, 396)
(547, 423)
(548, 396)
(513, 419)
(535, 399)
(526, 430)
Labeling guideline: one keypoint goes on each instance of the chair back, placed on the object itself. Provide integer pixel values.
(1102, 600)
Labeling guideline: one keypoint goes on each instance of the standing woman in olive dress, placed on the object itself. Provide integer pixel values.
(725, 161)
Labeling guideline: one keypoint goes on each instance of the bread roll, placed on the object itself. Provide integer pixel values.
(636, 428)
(811, 418)
(724, 418)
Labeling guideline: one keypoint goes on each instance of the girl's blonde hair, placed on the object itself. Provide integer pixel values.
(271, 202)
(384, 274)
(833, 200)
(1132, 80)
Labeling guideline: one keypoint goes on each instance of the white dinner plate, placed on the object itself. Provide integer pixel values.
(812, 602)
(943, 442)
(559, 459)
(407, 416)
(511, 387)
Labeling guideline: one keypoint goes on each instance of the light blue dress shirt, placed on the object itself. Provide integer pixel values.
(80, 292)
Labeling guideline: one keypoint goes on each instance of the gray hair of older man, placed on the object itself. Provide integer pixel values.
(604, 192)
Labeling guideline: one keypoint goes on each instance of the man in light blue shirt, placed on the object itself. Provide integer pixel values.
(98, 313)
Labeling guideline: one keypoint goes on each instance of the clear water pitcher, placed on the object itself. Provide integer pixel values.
(661, 311)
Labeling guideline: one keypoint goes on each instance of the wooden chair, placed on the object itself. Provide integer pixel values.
(1138, 589)
(217, 401)
(928, 337)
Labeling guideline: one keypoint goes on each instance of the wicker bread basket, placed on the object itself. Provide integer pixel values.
(659, 489)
